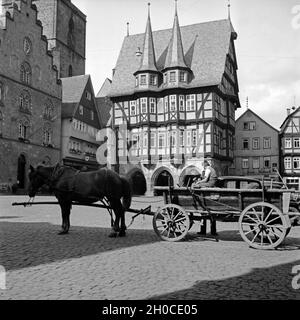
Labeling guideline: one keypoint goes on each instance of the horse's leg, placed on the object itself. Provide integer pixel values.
(120, 215)
(213, 226)
(115, 227)
(122, 232)
(65, 212)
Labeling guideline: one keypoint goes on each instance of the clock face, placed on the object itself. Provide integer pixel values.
(27, 46)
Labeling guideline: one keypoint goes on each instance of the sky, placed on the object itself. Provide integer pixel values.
(267, 48)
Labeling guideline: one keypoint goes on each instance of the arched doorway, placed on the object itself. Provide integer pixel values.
(21, 171)
(164, 178)
(137, 181)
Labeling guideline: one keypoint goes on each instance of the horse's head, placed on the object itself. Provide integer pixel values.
(37, 178)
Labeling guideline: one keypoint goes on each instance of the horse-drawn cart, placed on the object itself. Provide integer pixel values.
(265, 215)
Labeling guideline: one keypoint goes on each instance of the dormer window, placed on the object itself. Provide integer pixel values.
(153, 81)
(172, 76)
(136, 81)
(143, 79)
(182, 76)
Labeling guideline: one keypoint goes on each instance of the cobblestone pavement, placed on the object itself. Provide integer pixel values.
(87, 264)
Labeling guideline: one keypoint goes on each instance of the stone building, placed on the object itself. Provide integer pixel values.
(256, 146)
(80, 123)
(64, 25)
(290, 148)
(174, 95)
(30, 94)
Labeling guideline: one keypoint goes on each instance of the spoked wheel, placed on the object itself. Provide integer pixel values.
(171, 223)
(263, 226)
(291, 209)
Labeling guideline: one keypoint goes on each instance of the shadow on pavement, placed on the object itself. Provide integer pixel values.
(31, 244)
(290, 243)
(259, 284)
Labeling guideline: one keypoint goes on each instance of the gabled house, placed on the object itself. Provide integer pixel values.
(256, 150)
(80, 123)
(290, 148)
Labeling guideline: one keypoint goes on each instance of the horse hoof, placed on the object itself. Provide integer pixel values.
(113, 235)
(62, 233)
(122, 234)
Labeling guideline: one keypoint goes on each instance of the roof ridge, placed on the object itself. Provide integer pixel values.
(289, 116)
(170, 29)
(205, 56)
(256, 116)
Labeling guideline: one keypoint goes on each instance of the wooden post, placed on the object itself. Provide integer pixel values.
(286, 197)
(203, 227)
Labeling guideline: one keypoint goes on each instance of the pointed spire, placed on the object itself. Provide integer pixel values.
(148, 62)
(229, 18)
(175, 55)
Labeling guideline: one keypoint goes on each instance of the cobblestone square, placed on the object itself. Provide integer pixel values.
(87, 264)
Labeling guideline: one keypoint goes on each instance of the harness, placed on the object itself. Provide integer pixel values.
(54, 177)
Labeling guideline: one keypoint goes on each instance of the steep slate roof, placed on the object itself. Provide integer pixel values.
(284, 124)
(256, 115)
(205, 46)
(68, 110)
(148, 62)
(103, 92)
(104, 106)
(175, 55)
(72, 91)
(73, 88)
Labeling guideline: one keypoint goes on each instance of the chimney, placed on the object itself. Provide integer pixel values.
(113, 71)
(288, 110)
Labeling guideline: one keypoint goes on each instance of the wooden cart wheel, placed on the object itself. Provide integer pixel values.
(171, 222)
(263, 226)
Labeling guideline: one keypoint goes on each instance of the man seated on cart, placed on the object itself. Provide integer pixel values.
(210, 177)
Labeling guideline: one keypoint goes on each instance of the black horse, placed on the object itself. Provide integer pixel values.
(69, 184)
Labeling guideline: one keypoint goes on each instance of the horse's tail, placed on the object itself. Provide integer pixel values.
(126, 189)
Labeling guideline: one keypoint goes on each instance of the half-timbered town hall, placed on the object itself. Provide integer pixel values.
(176, 92)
